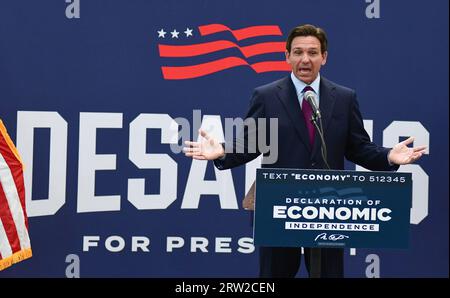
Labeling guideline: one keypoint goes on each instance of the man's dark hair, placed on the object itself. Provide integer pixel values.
(308, 30)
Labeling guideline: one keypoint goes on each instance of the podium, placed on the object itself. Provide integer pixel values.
(332, 208)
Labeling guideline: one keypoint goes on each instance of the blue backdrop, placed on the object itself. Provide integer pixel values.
(102, 57)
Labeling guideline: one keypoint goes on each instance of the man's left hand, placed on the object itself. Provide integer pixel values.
(401, 154)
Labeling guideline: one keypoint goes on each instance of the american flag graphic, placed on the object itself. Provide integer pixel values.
(14, 239)
(348, 193)
(242, 39)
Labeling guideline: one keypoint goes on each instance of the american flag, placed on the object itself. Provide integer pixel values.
(218, 43)
(14, 239)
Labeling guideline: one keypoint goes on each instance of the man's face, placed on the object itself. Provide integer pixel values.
(306, 58)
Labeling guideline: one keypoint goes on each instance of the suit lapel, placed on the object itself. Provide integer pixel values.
(288, 96)
(326, 104)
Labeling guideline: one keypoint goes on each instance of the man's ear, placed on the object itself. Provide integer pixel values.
(325, 56)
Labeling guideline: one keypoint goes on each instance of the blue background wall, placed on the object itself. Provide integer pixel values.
(107, 61)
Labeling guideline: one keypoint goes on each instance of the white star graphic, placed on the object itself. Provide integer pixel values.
(188, 32)
(161, 33)
(174, 33)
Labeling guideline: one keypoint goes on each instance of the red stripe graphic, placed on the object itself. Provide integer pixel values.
(241, 34)
(267, 66)
(199, 70)
(198, 49)
(215, 46)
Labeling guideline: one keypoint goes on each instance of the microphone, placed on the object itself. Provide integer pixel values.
(310, 97)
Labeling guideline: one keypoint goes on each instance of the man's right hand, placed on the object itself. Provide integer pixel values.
(208, 149)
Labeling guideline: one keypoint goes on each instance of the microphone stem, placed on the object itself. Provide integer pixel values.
(323, 148)
(316, 253)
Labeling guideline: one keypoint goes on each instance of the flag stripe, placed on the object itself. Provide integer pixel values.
(12, 158)
(14, 239)
(5, 247)
(241, 34)
(8, 221)
(9, 142)
(10, 191)
(215, 46)
(271, 66)
(264, 48)
(15, 164)
(198, 70)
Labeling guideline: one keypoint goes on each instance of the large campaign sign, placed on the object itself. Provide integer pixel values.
(328, 208)
(98, 97)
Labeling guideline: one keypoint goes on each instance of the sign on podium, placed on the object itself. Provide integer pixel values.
(328, 208)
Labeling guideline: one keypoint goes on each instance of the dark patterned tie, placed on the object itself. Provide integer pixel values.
(307, 113)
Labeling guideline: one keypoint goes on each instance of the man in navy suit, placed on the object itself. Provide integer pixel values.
(298, 143)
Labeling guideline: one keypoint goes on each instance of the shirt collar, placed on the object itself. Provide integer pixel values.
(299, 85)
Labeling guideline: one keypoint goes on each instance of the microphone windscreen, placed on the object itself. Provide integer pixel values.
(310, 96)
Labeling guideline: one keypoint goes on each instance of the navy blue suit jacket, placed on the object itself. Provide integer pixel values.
(343, 128)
